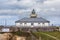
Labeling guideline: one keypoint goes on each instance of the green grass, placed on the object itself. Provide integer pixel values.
(39, 34)
(55, 34)
(45, 37)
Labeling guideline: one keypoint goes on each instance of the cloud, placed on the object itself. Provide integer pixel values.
(50, 7)
(21, 3)
(14, 5)
(45, 8)
(52, 3)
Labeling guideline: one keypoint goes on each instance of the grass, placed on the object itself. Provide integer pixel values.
(55, 34)
(39, 34)
(45, 37)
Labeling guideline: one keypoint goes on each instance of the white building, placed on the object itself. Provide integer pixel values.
(33, 21)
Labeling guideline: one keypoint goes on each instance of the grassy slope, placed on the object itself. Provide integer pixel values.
(44, 37)
(56, 34)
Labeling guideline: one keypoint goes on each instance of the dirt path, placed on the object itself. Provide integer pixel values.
(51, 36)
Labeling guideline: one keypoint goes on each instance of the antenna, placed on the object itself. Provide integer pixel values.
(5, 22)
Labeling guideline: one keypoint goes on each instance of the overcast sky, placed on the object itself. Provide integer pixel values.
(12, 10)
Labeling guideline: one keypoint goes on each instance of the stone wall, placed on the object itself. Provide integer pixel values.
(5, 36)
(9, 36)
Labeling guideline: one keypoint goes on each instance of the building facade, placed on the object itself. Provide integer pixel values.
(33, 21)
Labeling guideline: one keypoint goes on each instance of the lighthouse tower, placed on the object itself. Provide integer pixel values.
(33, 14)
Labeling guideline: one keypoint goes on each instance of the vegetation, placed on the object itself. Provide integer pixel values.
(45, 37)
(55, 34)
(20, 33)
(39, 34)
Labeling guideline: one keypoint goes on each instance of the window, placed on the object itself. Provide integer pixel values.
(43, 23)
(31, 23)
(25, 23)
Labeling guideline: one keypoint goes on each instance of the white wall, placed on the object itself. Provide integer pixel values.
(46, 24)
(25, 24)
(41, 24)
(22, 24)
(17, 24)
(28, 24)
(5, 30)
(35, 24)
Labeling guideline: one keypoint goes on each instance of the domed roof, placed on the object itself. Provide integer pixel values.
(33, 14)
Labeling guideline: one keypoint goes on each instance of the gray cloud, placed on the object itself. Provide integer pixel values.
(43, 7)
(49, 9)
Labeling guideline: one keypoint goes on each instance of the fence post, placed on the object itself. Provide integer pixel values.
(39, 38)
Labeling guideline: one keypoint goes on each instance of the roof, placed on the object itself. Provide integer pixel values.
(32, 20)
